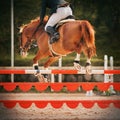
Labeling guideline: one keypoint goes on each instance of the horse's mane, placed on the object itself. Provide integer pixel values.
(37, 19)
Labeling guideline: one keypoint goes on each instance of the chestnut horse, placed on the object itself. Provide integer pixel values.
(75, 36)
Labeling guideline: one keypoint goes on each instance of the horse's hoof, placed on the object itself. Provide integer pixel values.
(41, 78)
(46, 77)
(88, 69)
(77, 66)
(46, 80)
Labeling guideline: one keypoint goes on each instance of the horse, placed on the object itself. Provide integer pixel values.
(75, 36)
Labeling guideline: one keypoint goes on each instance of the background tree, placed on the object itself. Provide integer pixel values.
(103, 15)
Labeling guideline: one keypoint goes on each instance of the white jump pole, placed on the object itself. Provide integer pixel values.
(60, 65)
(111, 68)
(105, 68)
(108, 77)
(12, 38)
(52, 78)
(111, 75)
(60, 75)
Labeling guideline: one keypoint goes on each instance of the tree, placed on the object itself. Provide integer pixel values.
(108, 11)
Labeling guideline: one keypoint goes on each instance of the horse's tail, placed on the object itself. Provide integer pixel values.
(88, 34)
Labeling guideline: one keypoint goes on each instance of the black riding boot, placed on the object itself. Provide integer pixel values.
(53, 34)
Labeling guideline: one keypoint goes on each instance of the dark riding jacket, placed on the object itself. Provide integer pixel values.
(52, 5)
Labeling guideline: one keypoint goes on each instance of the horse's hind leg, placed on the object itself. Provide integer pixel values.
(88, 62)
(88, 66)
(77, 62)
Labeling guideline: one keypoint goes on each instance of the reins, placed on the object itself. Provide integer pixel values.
(28, 44)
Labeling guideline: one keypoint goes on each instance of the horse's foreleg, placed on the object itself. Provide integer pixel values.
(45, 77)
(35, 60)
(76, 63)
(36, 66)
(47, 64)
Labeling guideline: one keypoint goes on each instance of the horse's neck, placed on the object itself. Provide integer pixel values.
(39, 30)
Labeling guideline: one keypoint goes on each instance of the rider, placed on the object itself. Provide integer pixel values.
(59, 9)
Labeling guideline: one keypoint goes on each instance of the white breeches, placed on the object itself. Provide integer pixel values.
(60, 14)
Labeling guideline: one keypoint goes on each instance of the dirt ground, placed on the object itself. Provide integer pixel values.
(63, 113)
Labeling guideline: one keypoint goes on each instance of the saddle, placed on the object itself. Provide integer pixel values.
(53, 31)
(67, 19)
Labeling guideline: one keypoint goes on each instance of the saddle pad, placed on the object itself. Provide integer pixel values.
(64, 21)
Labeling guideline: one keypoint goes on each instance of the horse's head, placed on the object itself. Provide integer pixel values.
(24, 41)
(27, 34)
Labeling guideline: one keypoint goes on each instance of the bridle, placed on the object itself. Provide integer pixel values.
(28, 45)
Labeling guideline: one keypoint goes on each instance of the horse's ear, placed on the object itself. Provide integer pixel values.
(19, 30)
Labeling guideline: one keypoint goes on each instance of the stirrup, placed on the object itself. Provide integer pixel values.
(54, 38)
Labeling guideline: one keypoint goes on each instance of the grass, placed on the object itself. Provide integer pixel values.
(66, 61)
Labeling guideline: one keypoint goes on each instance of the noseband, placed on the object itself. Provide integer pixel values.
(27, 44)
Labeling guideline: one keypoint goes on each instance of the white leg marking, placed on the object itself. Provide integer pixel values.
(76, 62)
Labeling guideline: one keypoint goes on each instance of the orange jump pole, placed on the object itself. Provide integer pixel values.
(62, 71)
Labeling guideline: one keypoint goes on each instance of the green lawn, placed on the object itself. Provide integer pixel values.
(66, 61)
